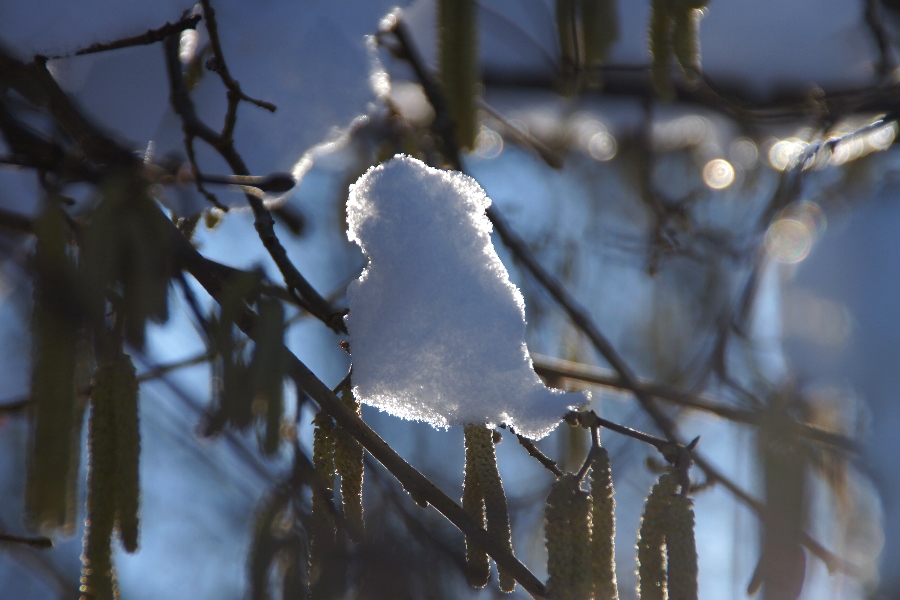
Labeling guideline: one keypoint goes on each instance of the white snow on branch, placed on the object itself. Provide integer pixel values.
(437, 330)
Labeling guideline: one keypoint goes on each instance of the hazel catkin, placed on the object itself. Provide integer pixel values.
(348, 462)
(478, 568)
(603, 533)
(651, 541)
(568, 515)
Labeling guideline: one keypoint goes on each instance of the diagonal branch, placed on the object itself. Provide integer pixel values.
(34, 542)
(264, 223)
(151, 36)
(422, 490)
(548, 366)
(220, 66)
(580, 317)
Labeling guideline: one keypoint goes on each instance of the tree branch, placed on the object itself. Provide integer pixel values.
(579, 316)
(35, 542)
(264, 223)
(422, 490)
(219, 65)
(151, 36)
(555, 367)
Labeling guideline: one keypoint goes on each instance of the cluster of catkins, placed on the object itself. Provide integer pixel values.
(581, 531)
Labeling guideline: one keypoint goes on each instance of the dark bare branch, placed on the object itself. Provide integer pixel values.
(151, 36)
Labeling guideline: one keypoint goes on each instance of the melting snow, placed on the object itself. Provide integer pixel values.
(437, 330)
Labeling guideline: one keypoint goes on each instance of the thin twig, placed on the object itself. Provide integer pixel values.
(548, 366)
(219, 65)
(151, 36)
(542, 458)
(875, 21)
(164, 369)
(592, 452)
(35, 542)
(580, 318)
(264, 223)
(422, 490)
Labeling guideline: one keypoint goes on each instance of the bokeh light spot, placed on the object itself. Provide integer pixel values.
(883, 137)
(789, 240)
(718, 173)
(602, 146)
(744, 153)
(785, 153)
(488, 144)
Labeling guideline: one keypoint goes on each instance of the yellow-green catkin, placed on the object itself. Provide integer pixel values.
(600, 25)
(322, 534)
(662, 22)
(568, 515)
(348, 461)
(495, 508)
(265, 544)
(266, 372)
(478, 568)
(603, 534)
(681, 549)
(651, 540)
(121, 376)
(127, 245)
(98, 579)
(55, 414)
(686, 41)
(567, 30)
(458, 65)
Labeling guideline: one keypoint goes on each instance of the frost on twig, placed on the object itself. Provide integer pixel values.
(437, 330)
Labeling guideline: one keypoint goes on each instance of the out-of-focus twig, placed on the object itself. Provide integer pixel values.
(264, 223)
(579, 316)
(555, 367)
(219, 65)
(151, 36)
(35, 542)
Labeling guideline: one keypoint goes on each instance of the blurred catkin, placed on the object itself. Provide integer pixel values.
(53, 451)
(348, 461)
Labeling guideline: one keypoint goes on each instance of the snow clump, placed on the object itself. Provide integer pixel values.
(437, 330)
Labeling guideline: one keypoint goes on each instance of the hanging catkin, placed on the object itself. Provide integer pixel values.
(98, 580)
(662, 22)
(478, 568)
(458, 65)
(603, 554)
(681, 549)
(651, 540)
(348, 461)
(55, 436)
(121, 376)
(568, 514)
(686, 41)
(322, 534)
(481, 441)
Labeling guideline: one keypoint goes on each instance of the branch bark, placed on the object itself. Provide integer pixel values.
(422, 490)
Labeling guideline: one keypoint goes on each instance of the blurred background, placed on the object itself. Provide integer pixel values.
(732, 233)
